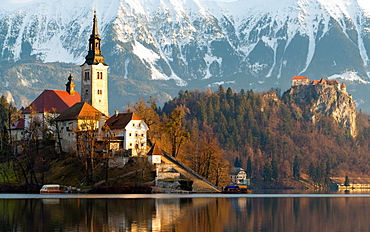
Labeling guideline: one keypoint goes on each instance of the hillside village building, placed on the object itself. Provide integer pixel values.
(238, 176)
(81, 117)
(49, 104)
(129, 130)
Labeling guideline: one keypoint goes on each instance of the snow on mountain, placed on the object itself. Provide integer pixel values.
(197, 43)
(349, 76)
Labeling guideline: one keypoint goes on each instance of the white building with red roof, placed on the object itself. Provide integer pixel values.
(81, 117)
(47, 106)
(17, 130)
(130, 130)
(300, 80)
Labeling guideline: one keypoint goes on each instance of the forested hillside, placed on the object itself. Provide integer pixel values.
(277, 136)
(272, 136)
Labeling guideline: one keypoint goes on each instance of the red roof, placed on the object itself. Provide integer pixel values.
(332, 82)
(155, 150)
(80, 110)
(300, 78)
(49, 100)
(120, 121)
(18, 125)
(322, 81)
(315, 82)
(343, 86)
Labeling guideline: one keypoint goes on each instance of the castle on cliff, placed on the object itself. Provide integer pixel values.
(301, 80)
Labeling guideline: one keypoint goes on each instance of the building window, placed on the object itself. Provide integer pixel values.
(136, 135)
(100, 91)
(130, 144)
(100, 75)
(133, 124)
(87, 76)
(129, 134)
(86, 91)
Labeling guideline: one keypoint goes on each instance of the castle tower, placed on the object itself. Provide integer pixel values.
(94, 75)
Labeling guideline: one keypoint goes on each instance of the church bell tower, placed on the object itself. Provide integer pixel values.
(94, 75)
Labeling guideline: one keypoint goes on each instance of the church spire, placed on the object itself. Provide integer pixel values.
(94, 55)
(95, 31)
(94, 75)
(70, 86)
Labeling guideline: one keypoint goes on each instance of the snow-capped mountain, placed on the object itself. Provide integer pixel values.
(189, 44)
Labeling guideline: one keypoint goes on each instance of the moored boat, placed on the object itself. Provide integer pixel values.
(51, 188)
(236, 189)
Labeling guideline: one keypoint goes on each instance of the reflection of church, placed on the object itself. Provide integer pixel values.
(66, 114)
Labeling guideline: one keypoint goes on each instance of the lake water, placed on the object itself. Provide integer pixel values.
(191, 212)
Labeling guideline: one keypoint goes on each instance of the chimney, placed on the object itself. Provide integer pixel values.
(116, 113)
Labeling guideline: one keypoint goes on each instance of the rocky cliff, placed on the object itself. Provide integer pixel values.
(319, 100)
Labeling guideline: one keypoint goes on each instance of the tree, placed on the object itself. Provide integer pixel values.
(237, 163)
(175, 129)
(147, 110)
(296, 168)
(267, 172)
(274, 168)
(249, 167)
(86, 136)
(346, 182)
(206, 157)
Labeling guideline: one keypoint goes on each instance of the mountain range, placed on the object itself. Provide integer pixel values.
(157, 47)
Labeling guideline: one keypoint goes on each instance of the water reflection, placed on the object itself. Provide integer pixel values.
(187, 214)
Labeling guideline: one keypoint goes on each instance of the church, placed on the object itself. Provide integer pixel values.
(68, 116)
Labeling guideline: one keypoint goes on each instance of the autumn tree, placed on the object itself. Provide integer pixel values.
(205, 156)
(175, 129)
(147, 110)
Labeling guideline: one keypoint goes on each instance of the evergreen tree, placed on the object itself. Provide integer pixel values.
(274, 168)
(296, 168)
(237, 163)
(249, 167)
(346, 181)
(267, 172)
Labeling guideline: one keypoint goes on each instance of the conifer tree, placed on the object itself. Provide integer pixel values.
(296, 168)
(249, 167)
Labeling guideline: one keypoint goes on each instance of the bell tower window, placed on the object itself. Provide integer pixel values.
(87, 76)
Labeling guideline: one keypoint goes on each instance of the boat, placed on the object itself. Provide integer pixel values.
(56, 188)
(51, 188)
(236, 189)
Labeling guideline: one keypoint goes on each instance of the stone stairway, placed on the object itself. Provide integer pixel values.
(200, 185)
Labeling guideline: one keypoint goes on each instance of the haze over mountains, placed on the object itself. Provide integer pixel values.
(157, 47)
